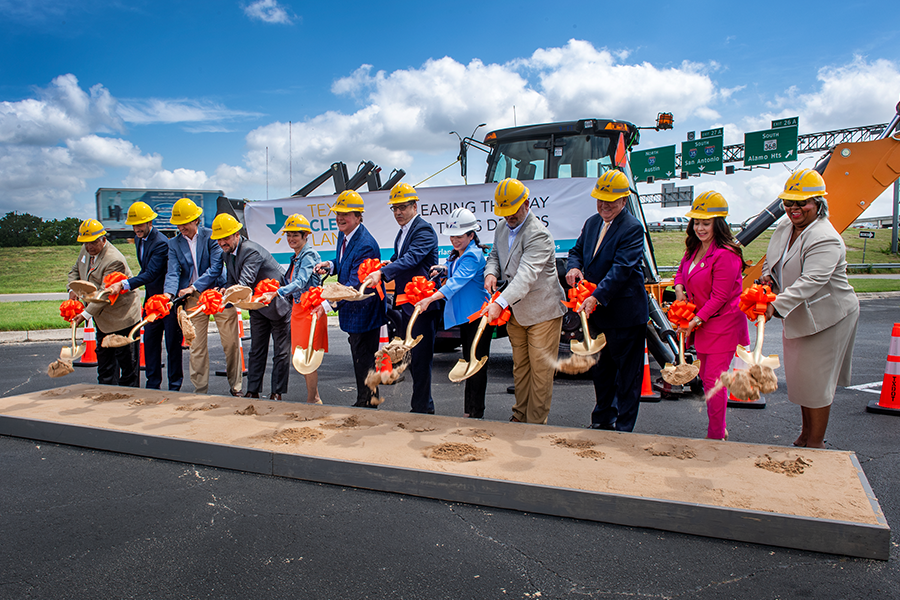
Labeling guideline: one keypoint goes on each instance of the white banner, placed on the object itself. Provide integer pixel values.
(562, 204)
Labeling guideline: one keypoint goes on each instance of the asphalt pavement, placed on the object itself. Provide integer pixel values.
(77, 523)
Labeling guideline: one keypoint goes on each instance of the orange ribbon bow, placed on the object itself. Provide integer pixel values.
(579, 293)
(311, 299)
(111, 278)
(265, 286)
(212, 302)
(369, 266)
(755, 299)
(505, 314)
(417, 289)
(158, 305)
(70, 309)
(680, 313)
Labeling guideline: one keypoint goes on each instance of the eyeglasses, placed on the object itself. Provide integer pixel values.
(401, 207)
(793, 203)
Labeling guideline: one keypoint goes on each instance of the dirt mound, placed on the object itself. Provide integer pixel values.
(455, 452)
(594, 454)
(679, 452)
(106, 396)
(294, 435)
(574, 444)
(789, 467)
(250, 410)
(203, 407)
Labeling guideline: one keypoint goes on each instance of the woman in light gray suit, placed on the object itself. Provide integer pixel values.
(806, 265)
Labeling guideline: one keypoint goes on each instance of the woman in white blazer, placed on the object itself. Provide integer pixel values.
(807, 267)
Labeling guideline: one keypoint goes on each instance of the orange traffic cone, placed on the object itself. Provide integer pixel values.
(647, 393)
(382, 337)
(889, 401)
(734, 401)
(89, 358)
(241, 330)
(143, 361)
(386, 366)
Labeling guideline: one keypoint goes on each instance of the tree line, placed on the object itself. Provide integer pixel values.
(22, 229)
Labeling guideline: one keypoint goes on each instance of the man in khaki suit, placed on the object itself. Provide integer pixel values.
(524, 255)
(97, 259)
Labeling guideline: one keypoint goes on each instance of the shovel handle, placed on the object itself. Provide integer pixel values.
(312, 333)
(412, 320)
(760, 332)
(482, 325)
(137, 327)
(681, 348)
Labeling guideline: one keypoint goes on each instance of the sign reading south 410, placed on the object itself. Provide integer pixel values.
(770, 146)
(702, 156)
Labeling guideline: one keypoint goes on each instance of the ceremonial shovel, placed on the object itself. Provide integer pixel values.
(117, 341)
(682, 373)
(589, 345)
(756, 358)
(307, 360)
(74, 352)
(463, 369)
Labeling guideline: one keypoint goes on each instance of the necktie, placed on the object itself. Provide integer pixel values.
(600, 239)
(343, 248)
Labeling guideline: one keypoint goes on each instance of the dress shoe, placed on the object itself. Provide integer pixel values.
(365, 404)
(275, 397)
(251, 395)
(235, 393)
(513, 419)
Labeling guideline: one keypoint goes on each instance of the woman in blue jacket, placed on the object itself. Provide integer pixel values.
(465, 294)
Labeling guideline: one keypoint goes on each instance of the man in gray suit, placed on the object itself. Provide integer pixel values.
(524, 255)
(247, 263)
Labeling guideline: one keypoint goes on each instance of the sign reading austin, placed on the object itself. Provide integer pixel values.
(702, 156)
(770, 146)
(656, 162)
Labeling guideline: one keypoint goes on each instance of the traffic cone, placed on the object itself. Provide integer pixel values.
(240, 345)
(889, 401)
(241, 330)
(735, 402)
(647, 393)
(382, 337)
(89, 358)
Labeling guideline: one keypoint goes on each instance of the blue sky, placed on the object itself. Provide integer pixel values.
(190, 94)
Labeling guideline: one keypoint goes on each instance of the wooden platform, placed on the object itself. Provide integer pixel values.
(807, 499)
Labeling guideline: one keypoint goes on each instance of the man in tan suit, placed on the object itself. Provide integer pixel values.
(524, 255)
(97, 259)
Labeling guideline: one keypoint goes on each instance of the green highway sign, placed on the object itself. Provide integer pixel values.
(702, 156)
(770, 146)
(658, 163)
(718, 132)
(793, 121)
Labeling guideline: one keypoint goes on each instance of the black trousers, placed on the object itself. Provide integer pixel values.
(261, 329)
(617, 378)
(476, 385)
(363, 347)
(153, 336)
(118, 366)
(422, 360)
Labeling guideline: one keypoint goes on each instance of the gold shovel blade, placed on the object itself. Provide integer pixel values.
(305, 365)
(588, 346)
(68, 354)
(464, 369)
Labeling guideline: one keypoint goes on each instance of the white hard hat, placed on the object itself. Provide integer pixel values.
(461, 221)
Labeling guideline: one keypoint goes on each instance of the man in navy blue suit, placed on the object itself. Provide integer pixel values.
(195, 265)
(609, 252)
(152, 248)
(415, 252)
(361, 319)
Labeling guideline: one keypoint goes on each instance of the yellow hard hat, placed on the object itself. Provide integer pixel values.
(348, 201)
(139, 213)
(611, 186)
(296, 222)
(509, 196)
(708, 205)
(185, 211)
(90, 230)
(225, 225)
(402, 193)
(803, 184)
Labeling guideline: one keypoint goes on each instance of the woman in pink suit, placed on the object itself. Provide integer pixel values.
(710, 277)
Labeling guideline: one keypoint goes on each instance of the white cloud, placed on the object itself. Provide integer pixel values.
(155, 110)
(268, 11)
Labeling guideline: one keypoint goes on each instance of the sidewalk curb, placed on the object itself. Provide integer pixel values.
(51, 335)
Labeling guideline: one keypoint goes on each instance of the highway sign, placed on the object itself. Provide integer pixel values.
(702, 156)
(770, 146)
(717, 132)
(658, 163)
(786, 122)
(867, 234)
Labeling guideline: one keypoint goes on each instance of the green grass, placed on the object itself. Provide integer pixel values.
(37, 269)
(45, 269)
